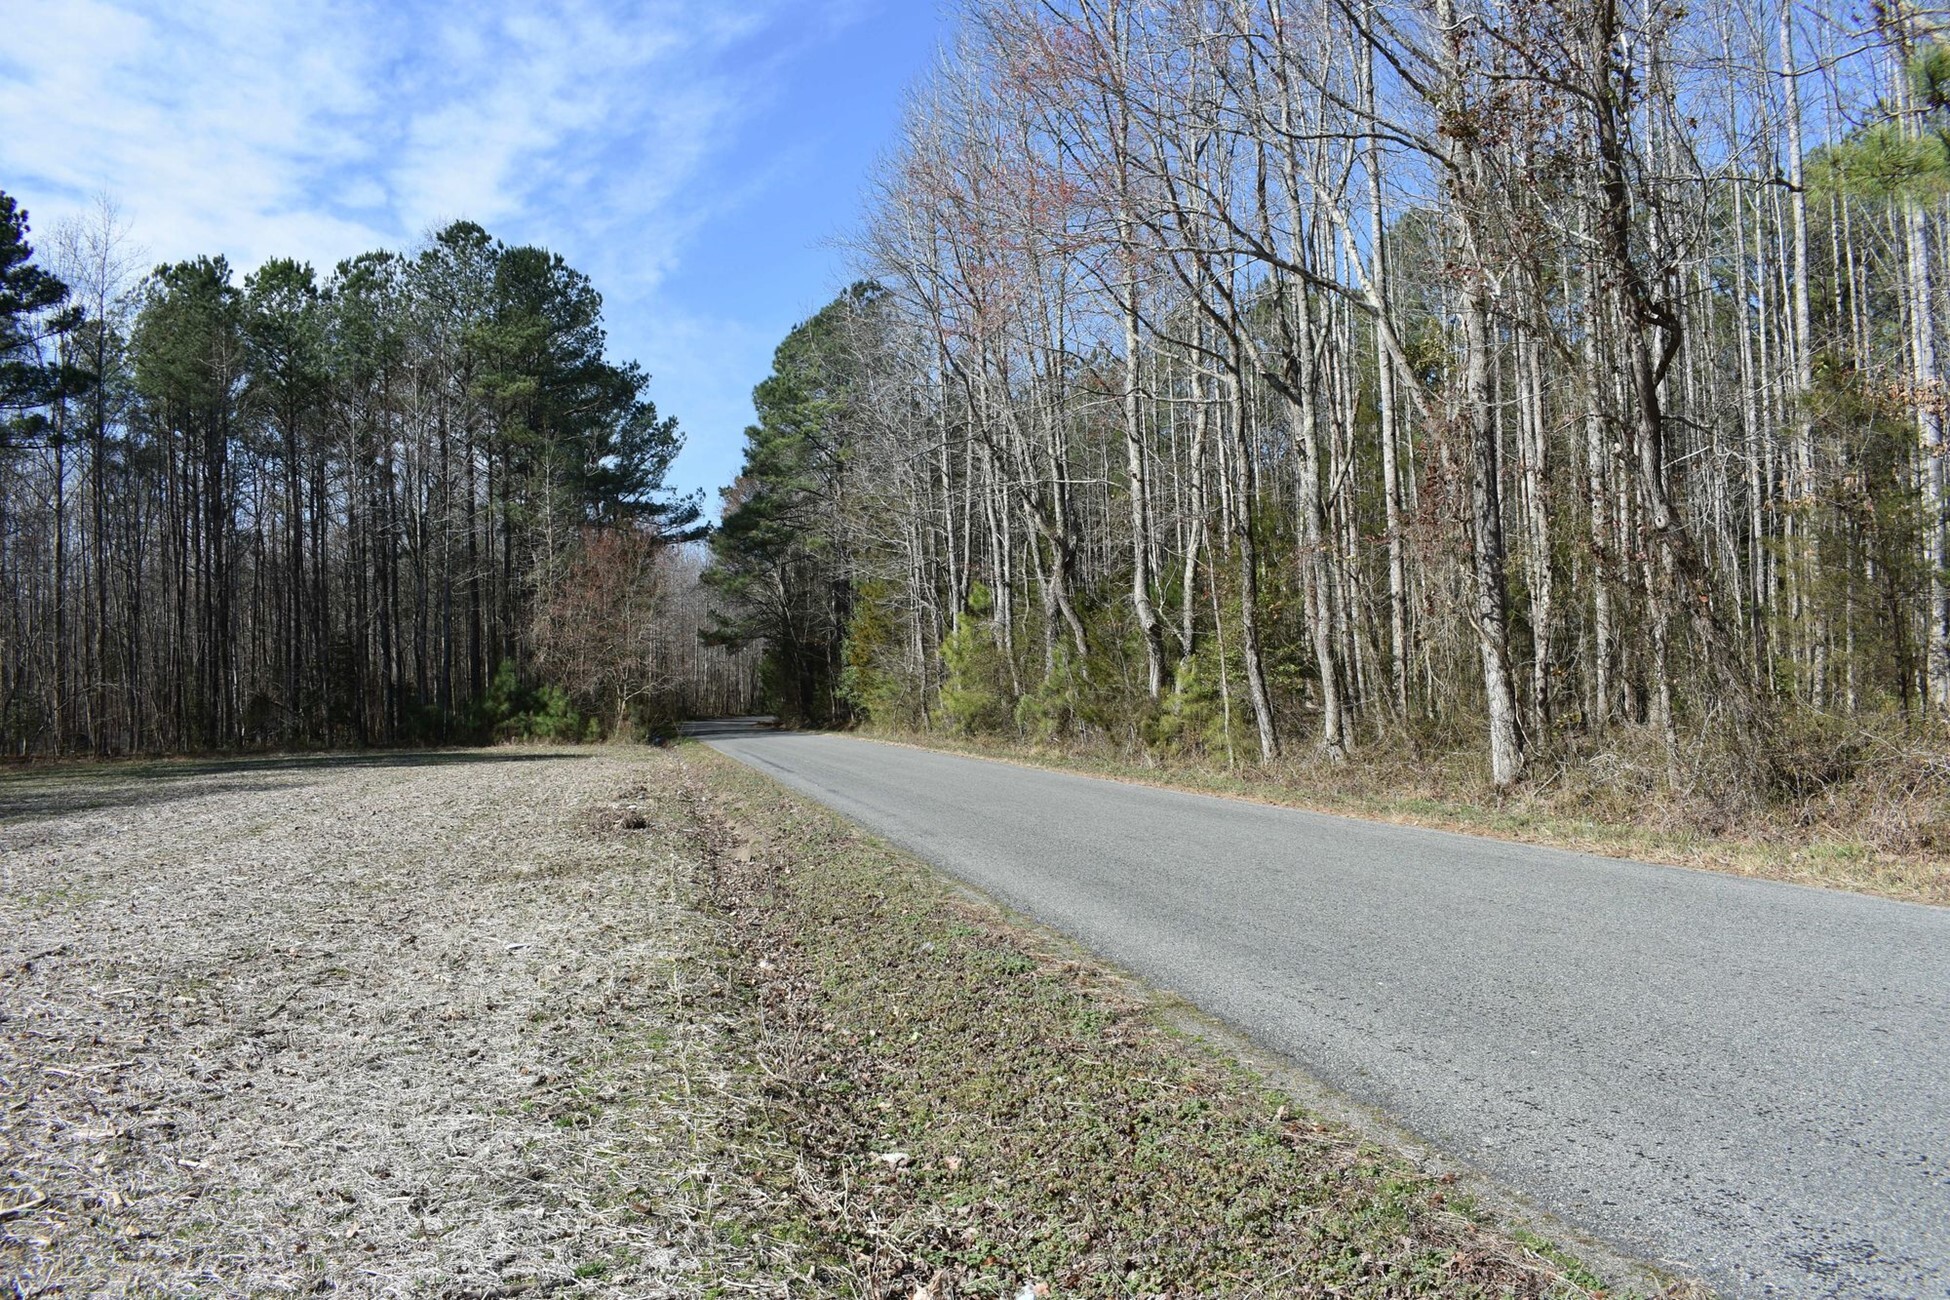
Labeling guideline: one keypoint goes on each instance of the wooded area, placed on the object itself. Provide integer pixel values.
(1234, 377)
(412, 501)
(1243, 375)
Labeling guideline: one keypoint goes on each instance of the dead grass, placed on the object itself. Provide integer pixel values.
(373, 1027)
(1883, 829)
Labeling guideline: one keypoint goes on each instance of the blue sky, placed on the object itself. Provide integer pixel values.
(695, 159)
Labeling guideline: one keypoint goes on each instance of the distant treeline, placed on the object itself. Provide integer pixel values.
(410, 501)
(1250, 376)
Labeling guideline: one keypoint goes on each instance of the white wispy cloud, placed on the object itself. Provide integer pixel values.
(323, 128)
(319, 129)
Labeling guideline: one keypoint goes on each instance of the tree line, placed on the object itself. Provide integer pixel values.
(413, 500)
(1248, 375)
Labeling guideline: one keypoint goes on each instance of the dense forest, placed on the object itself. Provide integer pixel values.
(409, 501)
(1226, 377)
(1239, 376)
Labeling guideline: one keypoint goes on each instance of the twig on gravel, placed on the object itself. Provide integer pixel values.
(27, 1206)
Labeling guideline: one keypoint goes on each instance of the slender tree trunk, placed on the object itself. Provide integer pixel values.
(1249, 632)
(1930, 434)
(1486, 538)
(1150, 626)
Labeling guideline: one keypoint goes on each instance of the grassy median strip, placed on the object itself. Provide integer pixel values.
(955, 1105)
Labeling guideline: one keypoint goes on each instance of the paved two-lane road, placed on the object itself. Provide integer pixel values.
(1745, 1080)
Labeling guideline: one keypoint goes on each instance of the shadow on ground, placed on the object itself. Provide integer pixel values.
(35, 791)
(723, 728)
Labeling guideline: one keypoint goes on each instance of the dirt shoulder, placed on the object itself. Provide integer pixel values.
(1894, 843)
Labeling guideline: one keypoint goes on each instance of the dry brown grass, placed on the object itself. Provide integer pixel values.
(375, 1027)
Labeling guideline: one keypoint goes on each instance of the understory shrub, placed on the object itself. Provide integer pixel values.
(514, 711)
(975, 691)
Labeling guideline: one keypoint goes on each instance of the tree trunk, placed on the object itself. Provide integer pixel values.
(1486, 540)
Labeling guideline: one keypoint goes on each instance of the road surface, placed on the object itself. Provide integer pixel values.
(1744, 1080)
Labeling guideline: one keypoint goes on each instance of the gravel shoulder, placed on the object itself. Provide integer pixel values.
(388, 1026)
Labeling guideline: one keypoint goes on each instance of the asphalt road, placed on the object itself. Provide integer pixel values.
(1744, 1080)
